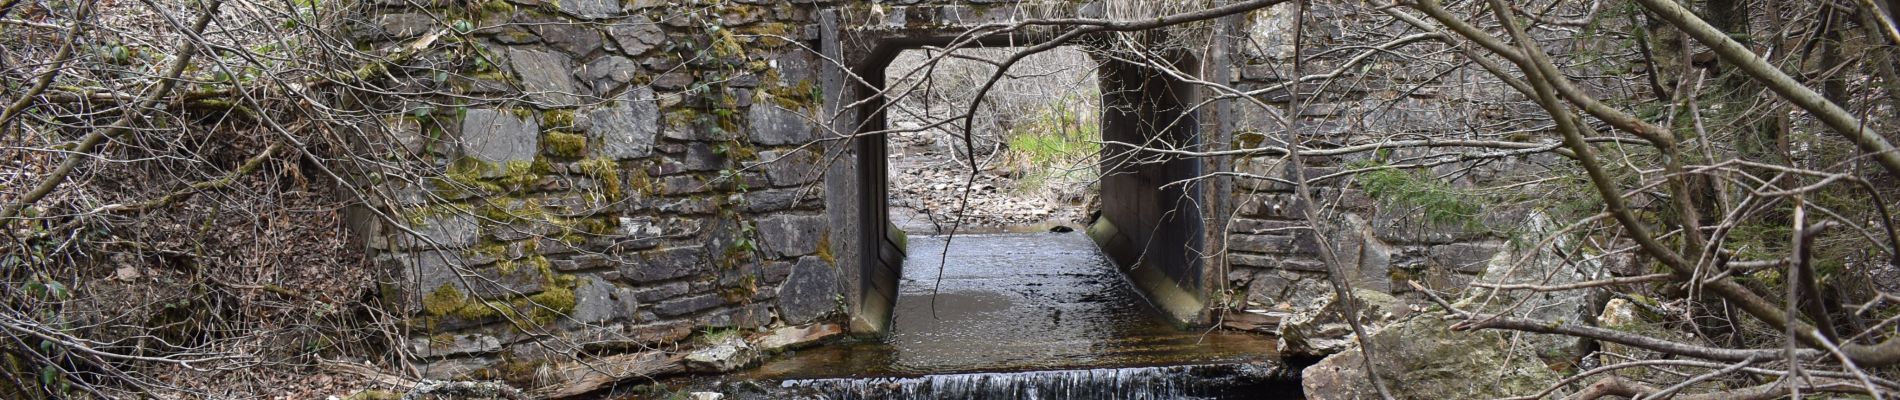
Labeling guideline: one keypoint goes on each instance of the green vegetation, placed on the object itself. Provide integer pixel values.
(1054, 145)
(1429, 196)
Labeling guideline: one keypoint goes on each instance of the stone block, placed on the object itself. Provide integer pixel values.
(605, 74)
(546, 76)
(1465, 257)
(1261, 226)
(596, 300)
(746, 317)
(791, 235)
(628, 128)
(404, 25)
(1268, 288)
(455, 368)
(636, 35)
(589, 9)
(790, 167)
(499, 136)
(448, 231)
(663, 264)
(772, 125)
(688, 305)
(809, 291)
(578, 40)
(771, 200)
(1269, 244)
(451, 345)
(661, 292)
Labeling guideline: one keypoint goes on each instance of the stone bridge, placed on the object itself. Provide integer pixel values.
(603, 176)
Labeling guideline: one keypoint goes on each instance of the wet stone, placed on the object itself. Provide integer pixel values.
(808, 292)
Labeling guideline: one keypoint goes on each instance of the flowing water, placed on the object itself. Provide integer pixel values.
(1027, 316)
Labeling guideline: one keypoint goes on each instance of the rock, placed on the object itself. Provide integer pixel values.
(1367, 259)
(404, 25)
(448, 345)
(727, 355)
(809, 293)
(1545, 268)
(688, 305)
(792, 235)
(627, 129)
(706, 396)
(454, 368)
(590, 9)
(1421, 358)
(1317, 329)
(575, 39)
(1268, 287)
(605, 74)
(663, 264)
(636, 35)
(546, 76)
(772, 125)
(1466, 257)
(596, 301)
(450, 230)
(499, 136)
(796, 337)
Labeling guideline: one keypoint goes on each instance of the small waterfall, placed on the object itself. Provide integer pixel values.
(1197, 382)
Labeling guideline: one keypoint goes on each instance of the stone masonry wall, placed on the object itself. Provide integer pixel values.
(605, 176)
(1273, 259)
(613, 175)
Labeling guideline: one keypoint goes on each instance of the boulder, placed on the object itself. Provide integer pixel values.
(726, 355)
(1420, 358)
(810, 292)
(795, 337)
(1318, 329)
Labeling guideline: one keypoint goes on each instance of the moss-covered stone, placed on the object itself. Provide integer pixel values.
(564, 145)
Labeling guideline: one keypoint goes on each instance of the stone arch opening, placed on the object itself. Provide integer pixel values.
(1151, 218)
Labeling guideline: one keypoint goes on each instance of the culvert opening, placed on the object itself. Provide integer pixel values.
(1008, 292)
(1033, 142)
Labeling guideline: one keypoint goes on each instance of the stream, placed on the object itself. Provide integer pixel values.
(1023, 316)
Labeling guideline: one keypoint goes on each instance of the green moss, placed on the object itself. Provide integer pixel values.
(606, 171)
(643, 182)
(465, 174)
(824, 248)
(1249, 139)
(520, 173)
(804, 95)
(564, 145)
(557, 118)
(495, 8)
(444, 300)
